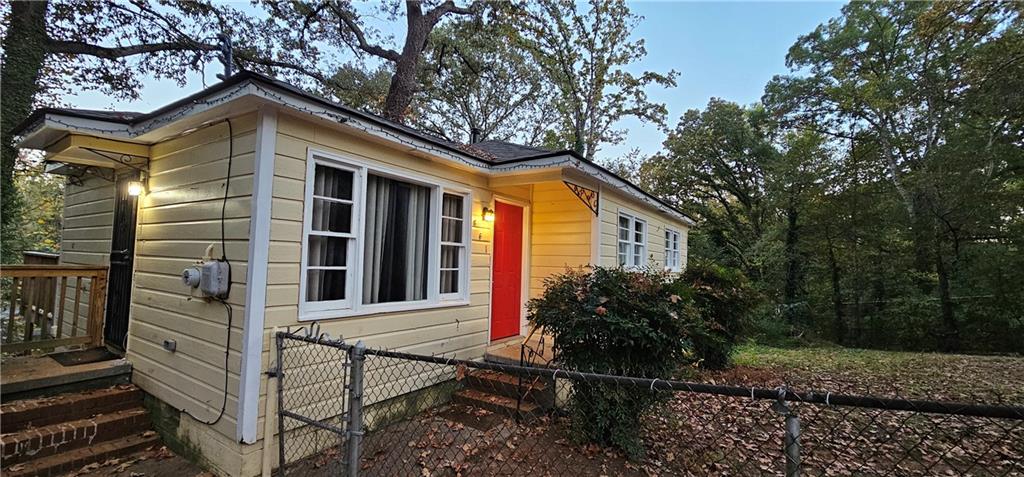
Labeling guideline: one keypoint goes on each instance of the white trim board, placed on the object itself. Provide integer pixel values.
(256, 279)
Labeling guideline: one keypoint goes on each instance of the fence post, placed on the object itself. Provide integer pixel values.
(355, 407)
(281, 463)
(791, 441)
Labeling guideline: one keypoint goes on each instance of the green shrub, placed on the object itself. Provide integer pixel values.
(723, 298)
(617, 322)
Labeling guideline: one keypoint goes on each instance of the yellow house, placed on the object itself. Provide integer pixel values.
(315, 212)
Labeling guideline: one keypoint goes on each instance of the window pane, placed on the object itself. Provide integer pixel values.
(331, 216)
(623, 228)
(325, 285)
(638, 237)
(451, 230)
(638, 254)
(623, 251)
(450, 256)
(397, 238)
(327, 251)
(451, 206)
(331, 182)
(449, 281)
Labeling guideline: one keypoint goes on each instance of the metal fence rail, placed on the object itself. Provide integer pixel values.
(391, 413)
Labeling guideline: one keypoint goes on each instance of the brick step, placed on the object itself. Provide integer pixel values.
(75, 459)
(38, 442)
(26, 413)
(534, 389)
(501, 405)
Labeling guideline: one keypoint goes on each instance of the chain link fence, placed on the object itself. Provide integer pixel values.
(354, 411)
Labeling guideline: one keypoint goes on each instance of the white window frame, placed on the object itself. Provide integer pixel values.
(631, 259)
(352, 305)
(673, 250)
(465, 246)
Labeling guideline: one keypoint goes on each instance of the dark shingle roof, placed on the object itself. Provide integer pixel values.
(501, 151)
(494, 152)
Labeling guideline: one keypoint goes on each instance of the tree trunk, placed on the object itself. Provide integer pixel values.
(24, 52)
(839, 321)
(950, 341)
(791, 290)
(404, 81)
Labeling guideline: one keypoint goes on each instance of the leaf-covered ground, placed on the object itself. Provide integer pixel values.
(695, 434)
(933, 376)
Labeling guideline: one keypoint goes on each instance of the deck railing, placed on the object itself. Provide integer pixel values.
(45, 306)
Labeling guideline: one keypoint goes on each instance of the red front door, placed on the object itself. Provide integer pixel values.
(506, 287)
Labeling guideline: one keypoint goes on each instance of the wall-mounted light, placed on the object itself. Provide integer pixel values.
(487, 215)
(136, 188)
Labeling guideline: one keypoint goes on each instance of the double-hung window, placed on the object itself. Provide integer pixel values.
(454, 249)
(673, 256)
(632, 241)
(377, 241)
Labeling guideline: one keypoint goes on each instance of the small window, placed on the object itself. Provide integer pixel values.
(673, 256)
(454, 253)
(632, 241)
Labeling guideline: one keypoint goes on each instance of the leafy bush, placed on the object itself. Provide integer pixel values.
(618, 322)
(723, 298)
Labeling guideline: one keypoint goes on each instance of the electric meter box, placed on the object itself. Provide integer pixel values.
(214, 278)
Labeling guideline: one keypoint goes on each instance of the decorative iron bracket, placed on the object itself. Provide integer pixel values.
(590, 197)
(79, 172)
(123, 159)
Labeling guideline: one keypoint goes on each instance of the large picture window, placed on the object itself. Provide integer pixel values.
(376, 241)
(632, 241)
(673, 255)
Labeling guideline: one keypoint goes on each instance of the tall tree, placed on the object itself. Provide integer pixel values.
(480, 82)
(715, 166)
(50, 45)
(340, 24)
(584, 50)
(900, 69)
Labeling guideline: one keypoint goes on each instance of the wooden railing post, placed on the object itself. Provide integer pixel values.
(32, 294)
(97, 303)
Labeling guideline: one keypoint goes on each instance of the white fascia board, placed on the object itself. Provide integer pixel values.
(256, 276)
(607, 179)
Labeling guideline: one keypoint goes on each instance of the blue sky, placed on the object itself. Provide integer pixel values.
(721, 49)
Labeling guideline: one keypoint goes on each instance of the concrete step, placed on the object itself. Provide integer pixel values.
(534, 389)
(38, 412)
(38, 442)
(501, 405)
(72, 460)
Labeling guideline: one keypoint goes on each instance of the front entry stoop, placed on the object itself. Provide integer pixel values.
(503, 394)
(60, 434)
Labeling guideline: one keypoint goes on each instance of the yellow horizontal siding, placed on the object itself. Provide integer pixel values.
(560, 235)
(611, 204)
(85, 240)
(178, 218)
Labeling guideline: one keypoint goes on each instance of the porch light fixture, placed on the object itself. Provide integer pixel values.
(136, 188)
(487, 215)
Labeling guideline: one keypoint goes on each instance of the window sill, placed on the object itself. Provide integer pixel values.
(380, 310)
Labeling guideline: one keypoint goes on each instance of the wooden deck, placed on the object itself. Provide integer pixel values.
(33, 376)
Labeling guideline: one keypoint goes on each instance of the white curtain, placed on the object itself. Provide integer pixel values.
(397, 234)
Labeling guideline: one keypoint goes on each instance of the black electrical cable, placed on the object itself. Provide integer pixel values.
(227, 354)
(223, 301)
